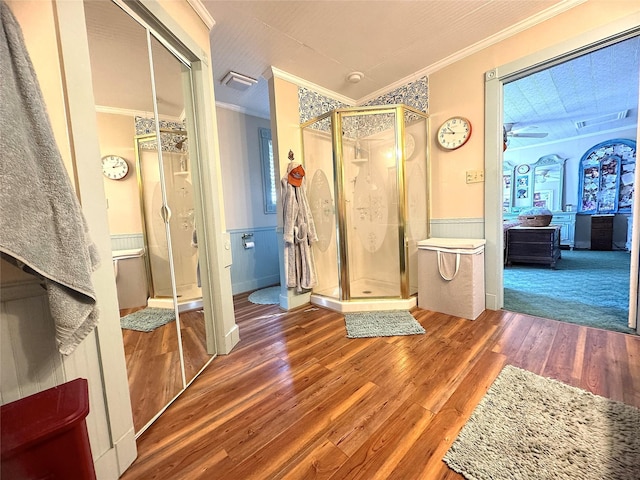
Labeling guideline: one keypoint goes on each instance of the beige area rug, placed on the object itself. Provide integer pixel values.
(147, 319)
(530, 427)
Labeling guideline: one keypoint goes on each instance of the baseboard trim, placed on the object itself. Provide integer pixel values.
(255, 284)
(230, 340)
(113, 463)
(126, 451)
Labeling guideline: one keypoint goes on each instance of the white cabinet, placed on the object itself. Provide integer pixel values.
(567, 222)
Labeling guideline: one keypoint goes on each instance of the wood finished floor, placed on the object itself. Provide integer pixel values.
(153, 362)
(296, 399)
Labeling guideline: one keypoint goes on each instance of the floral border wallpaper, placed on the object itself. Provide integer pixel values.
(414, 94)
(169, 141)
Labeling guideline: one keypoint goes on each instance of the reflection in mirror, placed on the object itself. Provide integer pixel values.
(150, 342)
(165, 342)
(173, 80)
(507, 186)
(548, 182)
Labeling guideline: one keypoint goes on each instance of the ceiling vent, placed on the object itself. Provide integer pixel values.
(238, 81)
(610, 117)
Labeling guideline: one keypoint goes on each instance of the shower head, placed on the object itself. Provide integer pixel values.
(358, 154)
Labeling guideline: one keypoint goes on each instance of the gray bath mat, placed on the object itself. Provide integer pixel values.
(381, 324)
(148, 319)
(531, 427)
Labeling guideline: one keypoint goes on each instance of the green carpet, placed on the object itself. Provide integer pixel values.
(587, 287)
(381, 324)
(148, 319)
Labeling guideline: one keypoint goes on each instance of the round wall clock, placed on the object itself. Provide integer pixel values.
(523, 168)
(114, 167)
(454, 133)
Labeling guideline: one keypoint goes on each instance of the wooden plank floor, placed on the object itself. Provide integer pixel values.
(296, 399)
(153, 362)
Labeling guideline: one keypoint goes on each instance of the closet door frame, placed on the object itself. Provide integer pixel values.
(111, 429)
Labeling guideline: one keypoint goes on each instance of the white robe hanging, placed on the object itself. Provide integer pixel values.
(299, 233)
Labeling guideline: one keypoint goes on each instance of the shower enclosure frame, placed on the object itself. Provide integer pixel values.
(153, 137)
(345, 301)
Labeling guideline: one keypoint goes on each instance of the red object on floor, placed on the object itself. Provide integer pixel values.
(44, 436)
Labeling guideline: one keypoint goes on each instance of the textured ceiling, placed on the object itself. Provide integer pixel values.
(595, 92)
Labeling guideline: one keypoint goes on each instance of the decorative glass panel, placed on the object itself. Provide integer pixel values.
(606, 177)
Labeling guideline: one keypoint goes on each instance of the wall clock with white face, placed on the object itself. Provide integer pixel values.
(114, 167)
(454, 133)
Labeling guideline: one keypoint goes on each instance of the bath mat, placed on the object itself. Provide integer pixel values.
(381, 324)
(528, 426)
(266, 296)
(148, 319)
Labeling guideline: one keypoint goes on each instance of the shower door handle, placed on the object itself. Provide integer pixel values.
(165, 213)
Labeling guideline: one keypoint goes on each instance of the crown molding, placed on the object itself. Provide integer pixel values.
(135, 113)
(246, 111)
(476, 47)
(202, 12)
(277, 73)
(392, 86)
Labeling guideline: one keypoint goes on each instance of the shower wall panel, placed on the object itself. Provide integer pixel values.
(372, 217)
(181, 224)
(320, 181)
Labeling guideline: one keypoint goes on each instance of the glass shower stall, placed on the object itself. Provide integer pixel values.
(367, 185)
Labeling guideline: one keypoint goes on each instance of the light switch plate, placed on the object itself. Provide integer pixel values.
(475, 176)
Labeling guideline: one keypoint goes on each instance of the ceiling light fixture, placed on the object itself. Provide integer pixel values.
(355, 77)
(238, 81)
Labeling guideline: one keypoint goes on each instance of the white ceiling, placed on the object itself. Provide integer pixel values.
(323, 41)
(390, 42)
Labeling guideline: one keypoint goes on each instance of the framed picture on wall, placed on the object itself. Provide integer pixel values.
(543, 199)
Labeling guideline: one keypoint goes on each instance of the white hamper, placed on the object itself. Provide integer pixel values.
(131, 278)
(451, 276)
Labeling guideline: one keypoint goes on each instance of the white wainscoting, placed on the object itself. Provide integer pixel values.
(126, 241)
(255, 267)
(30, 363)
(457, 228)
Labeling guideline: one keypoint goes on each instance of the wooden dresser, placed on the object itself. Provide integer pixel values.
(534, 245)
(602, 232)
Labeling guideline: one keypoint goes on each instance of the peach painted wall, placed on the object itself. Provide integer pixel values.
(36, 19)
(116, 135)
(458, 89)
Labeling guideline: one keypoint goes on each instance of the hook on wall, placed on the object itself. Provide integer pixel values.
(290, 155)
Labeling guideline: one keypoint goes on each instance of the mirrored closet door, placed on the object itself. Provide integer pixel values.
(142, 90)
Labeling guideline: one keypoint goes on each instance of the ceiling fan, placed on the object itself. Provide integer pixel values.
(523, 132)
